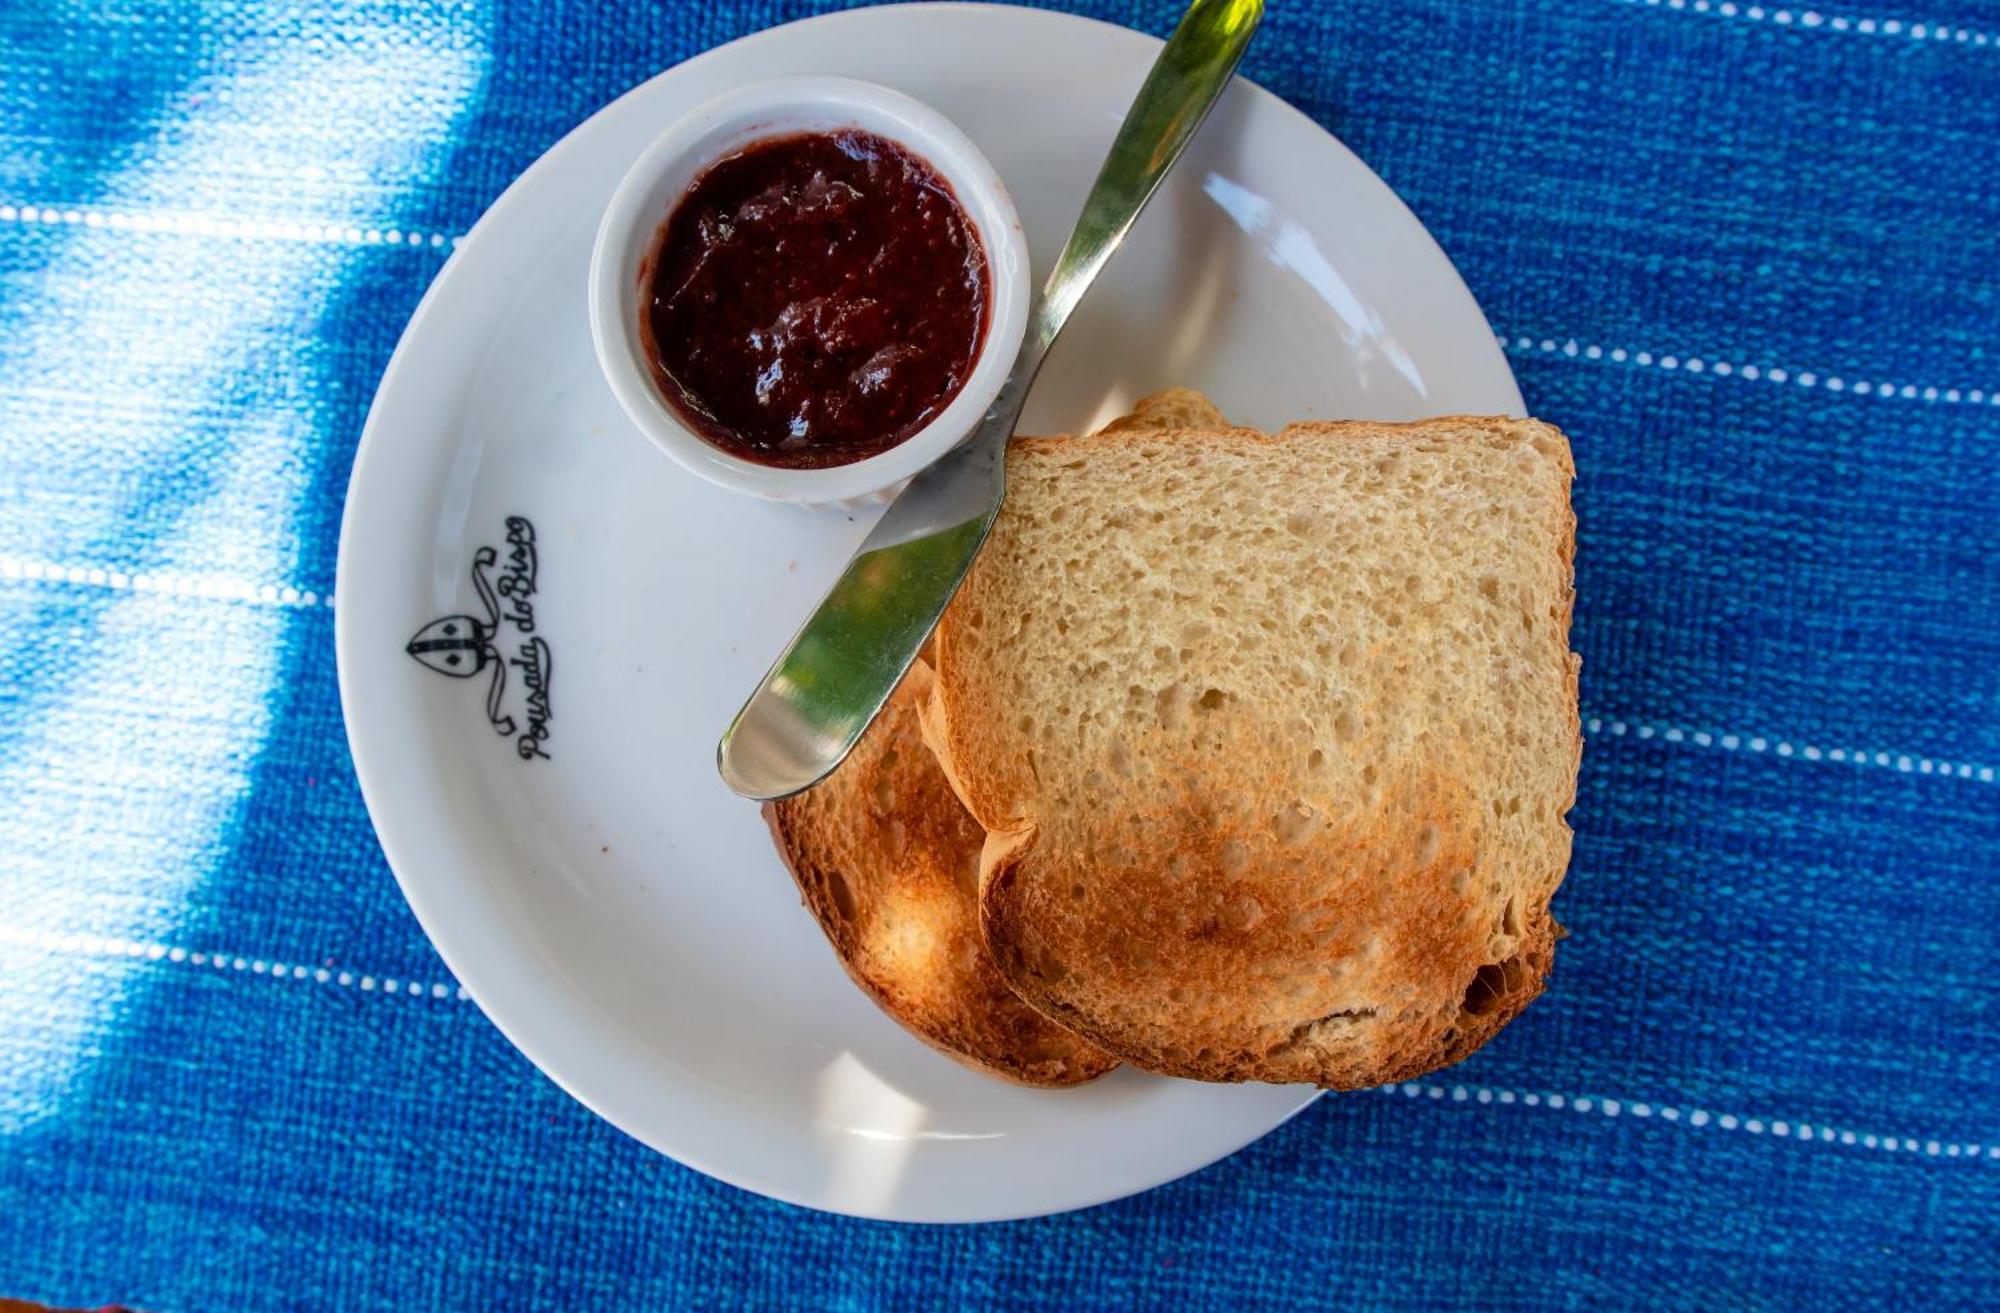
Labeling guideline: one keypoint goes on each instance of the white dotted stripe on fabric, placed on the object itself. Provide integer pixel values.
(1811, 20)
(206, 587)
(230, 590)
(1699, 1118)
(1571, 349)
(99, 946)
(211, 225)
(1903, 762)
(216, 225)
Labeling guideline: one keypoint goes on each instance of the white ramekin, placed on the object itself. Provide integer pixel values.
(662, 174)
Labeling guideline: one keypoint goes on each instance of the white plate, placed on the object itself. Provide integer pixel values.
(616, 912)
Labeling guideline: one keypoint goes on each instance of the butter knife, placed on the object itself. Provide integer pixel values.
(840, 668)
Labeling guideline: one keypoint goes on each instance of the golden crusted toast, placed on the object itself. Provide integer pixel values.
(887, 861)
(1273, 738)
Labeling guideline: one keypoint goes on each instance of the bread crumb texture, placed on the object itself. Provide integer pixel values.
(1274, 738)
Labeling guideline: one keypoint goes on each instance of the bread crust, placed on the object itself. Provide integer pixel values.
(884, 858)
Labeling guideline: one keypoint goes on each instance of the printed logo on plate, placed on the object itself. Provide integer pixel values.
(463, 646)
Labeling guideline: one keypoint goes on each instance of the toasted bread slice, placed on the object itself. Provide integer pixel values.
(887, 860)
(1273, 737)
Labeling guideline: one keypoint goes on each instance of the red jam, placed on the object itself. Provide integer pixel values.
(815, 299)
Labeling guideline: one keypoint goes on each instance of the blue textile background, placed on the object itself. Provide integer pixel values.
(1749, 256)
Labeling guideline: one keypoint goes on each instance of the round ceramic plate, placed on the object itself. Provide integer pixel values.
(544, 625)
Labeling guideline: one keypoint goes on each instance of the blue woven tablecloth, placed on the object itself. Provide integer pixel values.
(1748, 256)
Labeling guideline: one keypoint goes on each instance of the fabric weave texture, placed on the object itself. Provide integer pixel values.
(1747, 255)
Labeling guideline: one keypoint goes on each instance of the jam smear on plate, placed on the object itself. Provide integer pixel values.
(815, 299)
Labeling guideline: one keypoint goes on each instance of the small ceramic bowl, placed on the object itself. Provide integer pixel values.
(662, 174)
